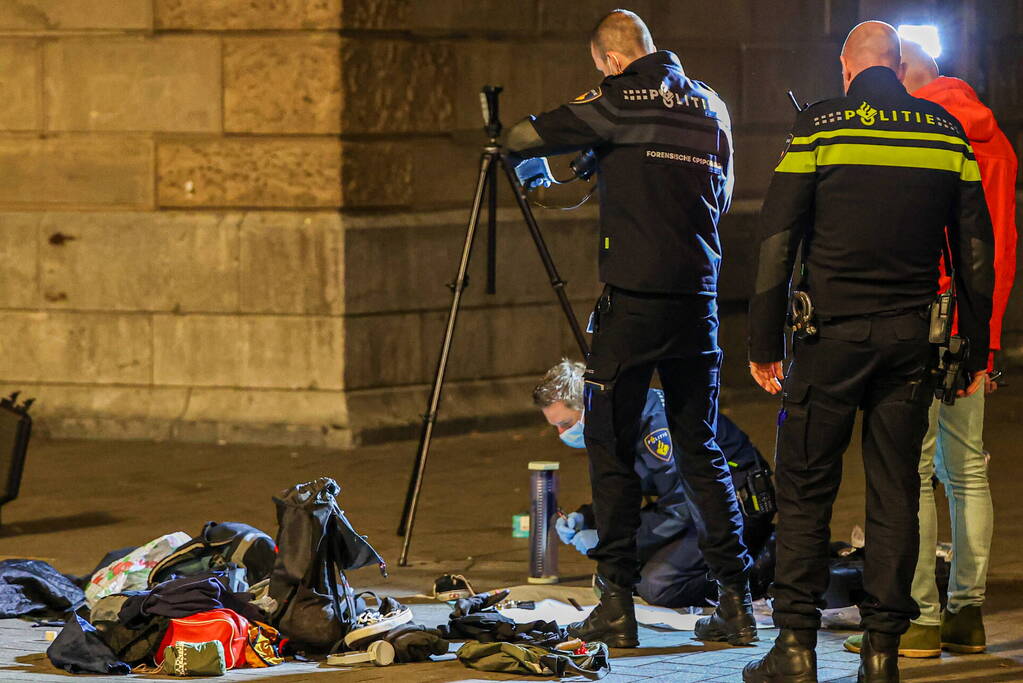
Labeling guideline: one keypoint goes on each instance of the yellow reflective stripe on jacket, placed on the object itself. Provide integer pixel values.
(874, 154)
(797, 162)
(890, 134)
(970, 172)
(885, 155)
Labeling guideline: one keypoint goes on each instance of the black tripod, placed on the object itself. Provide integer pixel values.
(491, 160)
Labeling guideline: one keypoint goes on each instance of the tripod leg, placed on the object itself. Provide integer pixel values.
(430, 418)
(545, 255)
(492, 230)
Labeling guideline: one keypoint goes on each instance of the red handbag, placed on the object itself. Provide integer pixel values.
(230, 628)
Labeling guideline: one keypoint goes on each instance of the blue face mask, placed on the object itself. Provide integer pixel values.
(573, 436)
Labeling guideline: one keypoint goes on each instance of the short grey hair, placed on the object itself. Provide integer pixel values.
(563, 382)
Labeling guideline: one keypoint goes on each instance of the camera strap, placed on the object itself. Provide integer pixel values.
(573, 207)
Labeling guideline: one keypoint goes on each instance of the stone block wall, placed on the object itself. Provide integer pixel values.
(235, 220)
(172, 248)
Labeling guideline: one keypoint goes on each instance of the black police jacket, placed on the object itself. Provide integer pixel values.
(664, 153)
(668, 516)
(871, 180)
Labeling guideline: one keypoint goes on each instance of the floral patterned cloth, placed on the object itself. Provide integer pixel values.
(131, 572)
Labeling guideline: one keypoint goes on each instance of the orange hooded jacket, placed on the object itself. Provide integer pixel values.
(997, 162)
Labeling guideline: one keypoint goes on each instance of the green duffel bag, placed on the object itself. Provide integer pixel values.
(515, 658)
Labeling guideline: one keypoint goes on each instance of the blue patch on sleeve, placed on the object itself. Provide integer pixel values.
(658, 442)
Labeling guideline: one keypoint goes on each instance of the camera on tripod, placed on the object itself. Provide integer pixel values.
(536, 172)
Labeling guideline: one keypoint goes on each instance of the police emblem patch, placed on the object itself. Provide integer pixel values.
(588, 96)
(658, 442)
(867, 114)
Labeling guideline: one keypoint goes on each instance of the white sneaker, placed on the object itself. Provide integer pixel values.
(371, 624)
(450, 587)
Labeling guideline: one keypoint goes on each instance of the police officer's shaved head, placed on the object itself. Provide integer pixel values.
(618, 39)
(921, 68)
(872, 43)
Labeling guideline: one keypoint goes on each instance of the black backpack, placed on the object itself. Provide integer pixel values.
(220, 546)
(316, 545)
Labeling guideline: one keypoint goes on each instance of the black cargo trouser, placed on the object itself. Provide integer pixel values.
(635, 334)
(881, 364)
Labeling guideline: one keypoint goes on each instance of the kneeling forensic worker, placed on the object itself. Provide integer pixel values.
(673, 571)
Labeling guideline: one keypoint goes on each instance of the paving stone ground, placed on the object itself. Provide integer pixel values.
(80, 499)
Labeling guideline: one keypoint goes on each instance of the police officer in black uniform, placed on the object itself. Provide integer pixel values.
(663, 144)
(869, 182)
(672, 570)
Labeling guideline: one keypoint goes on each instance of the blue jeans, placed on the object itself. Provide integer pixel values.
(954, 450)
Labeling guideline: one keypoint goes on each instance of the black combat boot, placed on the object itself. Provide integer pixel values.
(732, 620)
(791, 660)
(613, 620)
(879, 658)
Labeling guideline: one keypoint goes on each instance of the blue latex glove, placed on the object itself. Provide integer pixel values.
(567, 528)
(585, 540)
(534, 173)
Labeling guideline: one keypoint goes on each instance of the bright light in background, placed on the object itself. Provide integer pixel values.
(926, 36)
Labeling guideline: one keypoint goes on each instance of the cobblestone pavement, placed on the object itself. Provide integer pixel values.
(664, 656)
(80, 499)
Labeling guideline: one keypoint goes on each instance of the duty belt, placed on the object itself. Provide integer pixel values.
(892, 313)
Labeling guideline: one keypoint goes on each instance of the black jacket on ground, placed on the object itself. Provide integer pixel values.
(664, 151)
(871, 180)
(79, 649)
(34, 587)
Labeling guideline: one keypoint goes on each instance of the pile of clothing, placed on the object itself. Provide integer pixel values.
(232, 597)
(495, 642)
(177, 605)
(229, 597)
(492, 641)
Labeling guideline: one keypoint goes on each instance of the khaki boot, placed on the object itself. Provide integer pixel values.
(963, 631)
(918, 642)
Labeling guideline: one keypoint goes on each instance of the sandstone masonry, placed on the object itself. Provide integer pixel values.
(235, 220)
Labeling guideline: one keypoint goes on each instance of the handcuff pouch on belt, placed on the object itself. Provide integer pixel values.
(800, 317)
